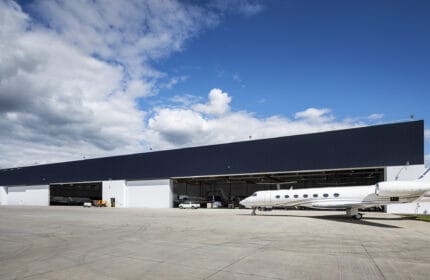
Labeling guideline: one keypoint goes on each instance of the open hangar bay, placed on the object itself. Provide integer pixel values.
(93, 243)
(226, 173)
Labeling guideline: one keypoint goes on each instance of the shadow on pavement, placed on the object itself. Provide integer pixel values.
(342, 218)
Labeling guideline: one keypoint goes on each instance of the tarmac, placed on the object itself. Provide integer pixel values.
(113, 243)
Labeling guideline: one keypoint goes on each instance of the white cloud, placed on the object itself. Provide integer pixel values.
(185, 99)
(192, 126)
(131, 33)
(70, 78)
(173, 81)
(427, 161)
(71, 73)
(375, 116)
(236, 78)
(250, 9)
(427, 134)
(219, 103)
(241, 7)
(54, 95)
(177, 126)
(315, 115)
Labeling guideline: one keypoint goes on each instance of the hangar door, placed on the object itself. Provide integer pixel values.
(75, 194)
(28, 195)
(149, 194)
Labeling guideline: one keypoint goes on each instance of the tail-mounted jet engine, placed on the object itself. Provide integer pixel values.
(401, 189)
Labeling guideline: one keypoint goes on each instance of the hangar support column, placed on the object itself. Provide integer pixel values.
(115, 189)
(3, 195)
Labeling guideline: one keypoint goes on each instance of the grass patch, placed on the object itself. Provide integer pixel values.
(425, 218)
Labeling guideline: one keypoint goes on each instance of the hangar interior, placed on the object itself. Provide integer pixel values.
(230, 189)
(74, 194)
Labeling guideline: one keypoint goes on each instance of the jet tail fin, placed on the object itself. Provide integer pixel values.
(425, 176)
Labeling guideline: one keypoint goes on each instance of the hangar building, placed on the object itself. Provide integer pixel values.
(225, 172)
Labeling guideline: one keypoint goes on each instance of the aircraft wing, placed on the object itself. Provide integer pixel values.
(341, 204)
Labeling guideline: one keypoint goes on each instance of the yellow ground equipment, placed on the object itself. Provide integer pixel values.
(99, 203)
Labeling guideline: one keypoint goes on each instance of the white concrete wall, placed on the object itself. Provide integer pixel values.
(150, 194)
(419, 207)
(28, 195)
(411, 172)
(117, 189)
(407, 172)
(3, 195)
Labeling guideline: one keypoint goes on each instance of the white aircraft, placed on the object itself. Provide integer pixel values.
(349, 198)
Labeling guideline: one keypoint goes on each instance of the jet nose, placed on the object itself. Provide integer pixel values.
(244, 202)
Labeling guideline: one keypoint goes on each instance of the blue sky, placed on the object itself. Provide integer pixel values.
(97, 78)
(355, 57)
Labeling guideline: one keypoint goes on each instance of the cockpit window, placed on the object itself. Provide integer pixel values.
(254, 194)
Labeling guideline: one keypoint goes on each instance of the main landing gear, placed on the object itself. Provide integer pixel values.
(358, 216)
(253, 210)
(353, 213)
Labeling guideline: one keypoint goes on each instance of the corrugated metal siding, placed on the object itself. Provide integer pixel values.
(382, 145)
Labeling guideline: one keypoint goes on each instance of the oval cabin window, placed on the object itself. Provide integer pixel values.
(325, 195)
(336, 195)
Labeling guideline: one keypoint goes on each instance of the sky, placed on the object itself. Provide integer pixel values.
(84, 79)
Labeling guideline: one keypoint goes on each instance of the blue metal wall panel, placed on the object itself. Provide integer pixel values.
(374, 146)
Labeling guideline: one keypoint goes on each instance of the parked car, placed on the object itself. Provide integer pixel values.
(217, 204)
(189, 205)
